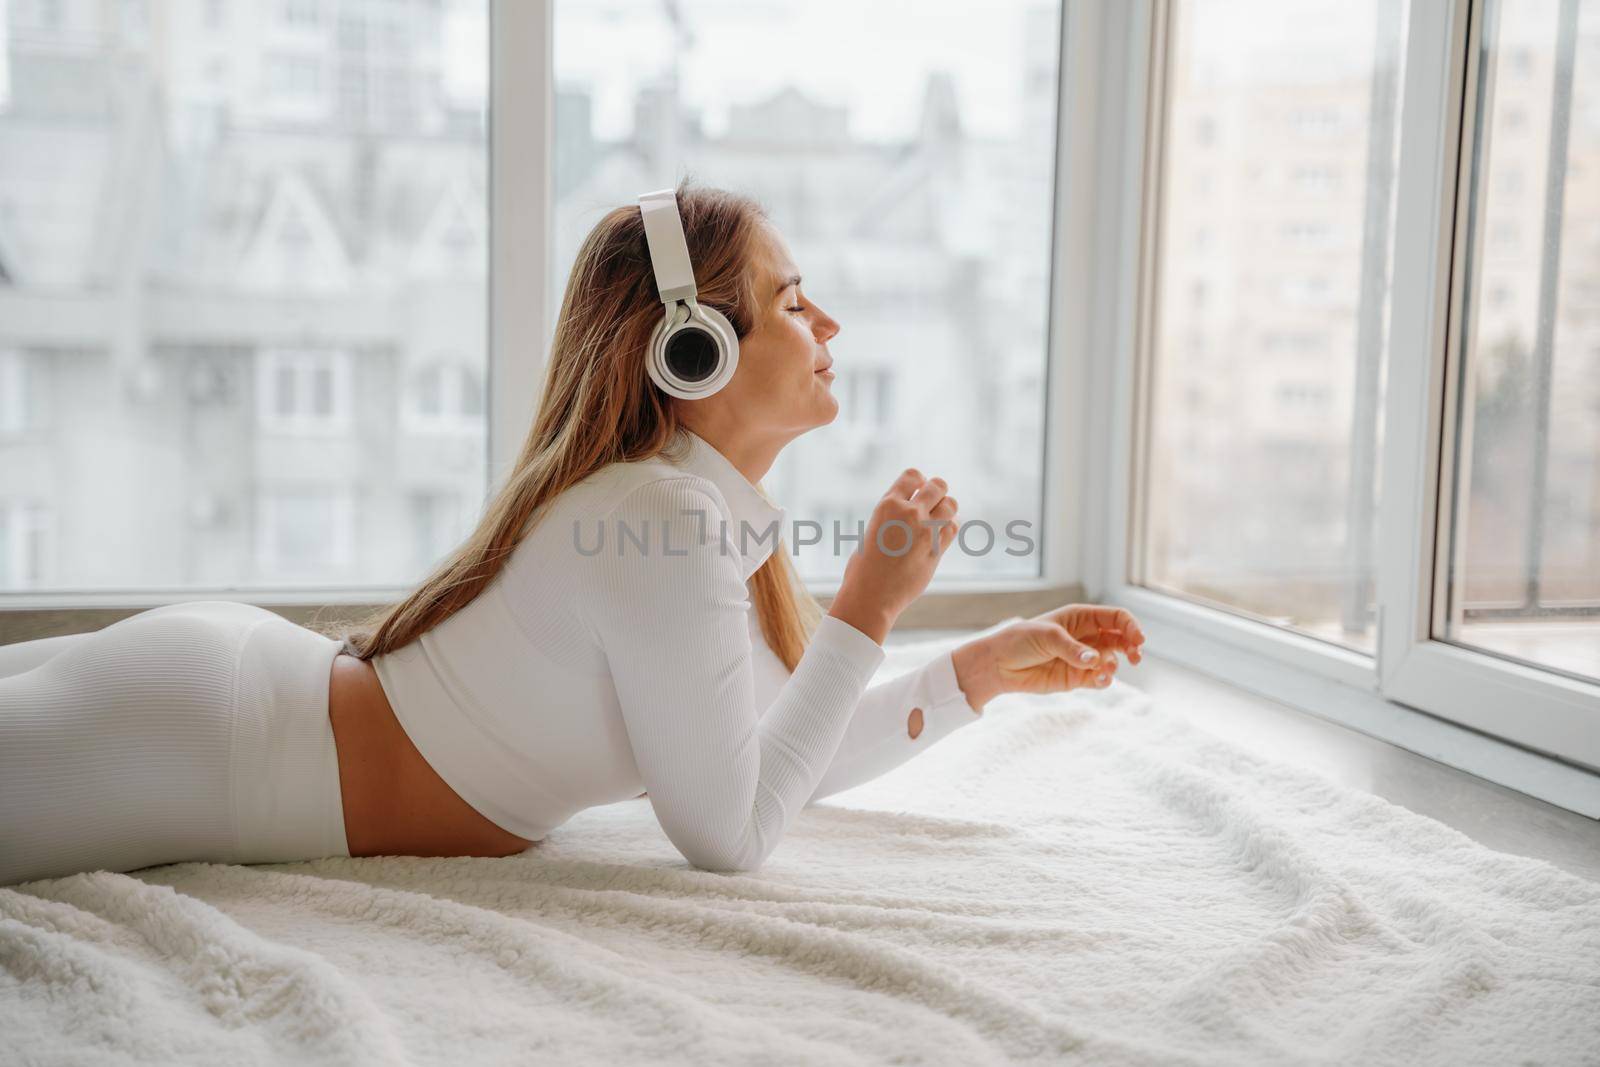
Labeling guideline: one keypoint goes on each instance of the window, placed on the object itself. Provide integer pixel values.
(26, 546)
(1523, 571)
(866, 421)
(913, 183)
(1315, 179)
(294, 76)
(301, 14)
(24, 398)
(295, 264)
(444, 398)
(439, 520)
(1356, 534)
(1261, 490)
(303, 391)
(305, 534)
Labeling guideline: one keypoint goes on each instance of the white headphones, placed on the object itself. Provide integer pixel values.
(694, 349)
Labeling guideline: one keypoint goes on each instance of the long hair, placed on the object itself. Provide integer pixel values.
(599, 406)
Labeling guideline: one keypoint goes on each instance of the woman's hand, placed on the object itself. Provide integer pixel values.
(901, 547)
(1063, 649)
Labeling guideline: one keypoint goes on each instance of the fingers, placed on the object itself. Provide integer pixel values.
(932, 500)
(1104, 626)
(927, 493)
(1122, 619)
(1116, 640)
(931, 493)
(1128, 635)
(1102, 676)
(909, 482)
(1097, 675)
(944, 512)
(1070, 650)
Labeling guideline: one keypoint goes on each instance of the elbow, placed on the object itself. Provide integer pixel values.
(721, 863)
(721, 868)
(724, 859)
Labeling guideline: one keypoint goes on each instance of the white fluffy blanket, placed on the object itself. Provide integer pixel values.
(1073, 879)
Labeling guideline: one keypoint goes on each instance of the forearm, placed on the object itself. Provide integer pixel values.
(864, 614)
(977, 672)
(895, 720)
(889, 716)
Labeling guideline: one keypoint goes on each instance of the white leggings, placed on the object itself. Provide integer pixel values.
(194, 731)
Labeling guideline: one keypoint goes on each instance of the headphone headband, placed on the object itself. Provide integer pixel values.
(669, 252)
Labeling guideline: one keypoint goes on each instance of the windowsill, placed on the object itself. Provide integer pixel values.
(25, 616)
(1444, 785)
(376, 594)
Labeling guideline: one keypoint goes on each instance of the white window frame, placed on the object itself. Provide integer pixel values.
(521, 230)
(1553, 713)
(1441, 700)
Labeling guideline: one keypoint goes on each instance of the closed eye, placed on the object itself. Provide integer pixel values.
(798, 308)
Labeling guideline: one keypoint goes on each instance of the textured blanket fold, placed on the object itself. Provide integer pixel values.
(1081, 878)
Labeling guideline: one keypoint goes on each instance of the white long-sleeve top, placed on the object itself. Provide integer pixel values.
(618, 652)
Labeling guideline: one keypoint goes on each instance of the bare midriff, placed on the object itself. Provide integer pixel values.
(394, 802)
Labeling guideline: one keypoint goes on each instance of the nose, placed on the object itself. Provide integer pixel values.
(826, 328)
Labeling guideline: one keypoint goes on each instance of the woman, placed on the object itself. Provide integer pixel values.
(557, 659)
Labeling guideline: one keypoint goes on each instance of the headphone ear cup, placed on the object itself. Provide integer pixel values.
(730, 341)
(694, 358)
(692, 354)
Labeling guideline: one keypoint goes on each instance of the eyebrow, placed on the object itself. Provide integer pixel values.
(793, 279)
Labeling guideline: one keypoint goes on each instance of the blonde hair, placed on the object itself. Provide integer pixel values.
(599, 407)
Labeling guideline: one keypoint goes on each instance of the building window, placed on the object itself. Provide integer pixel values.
(303, 391)
(26, 544)
(24, 397)
(304, 535)
(439, 522)
(444, 398)
(866, 398)
(294, 78)
(301, 14)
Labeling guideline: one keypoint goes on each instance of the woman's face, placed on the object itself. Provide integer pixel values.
(782, 385)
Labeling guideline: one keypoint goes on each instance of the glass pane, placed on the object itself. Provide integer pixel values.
(907, 157)
(1524, 564)
(1270, 310)
(471, 394)
(285, 405)
(429, 384)
(219, 264)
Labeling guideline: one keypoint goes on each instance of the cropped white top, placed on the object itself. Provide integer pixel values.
(618, 652)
